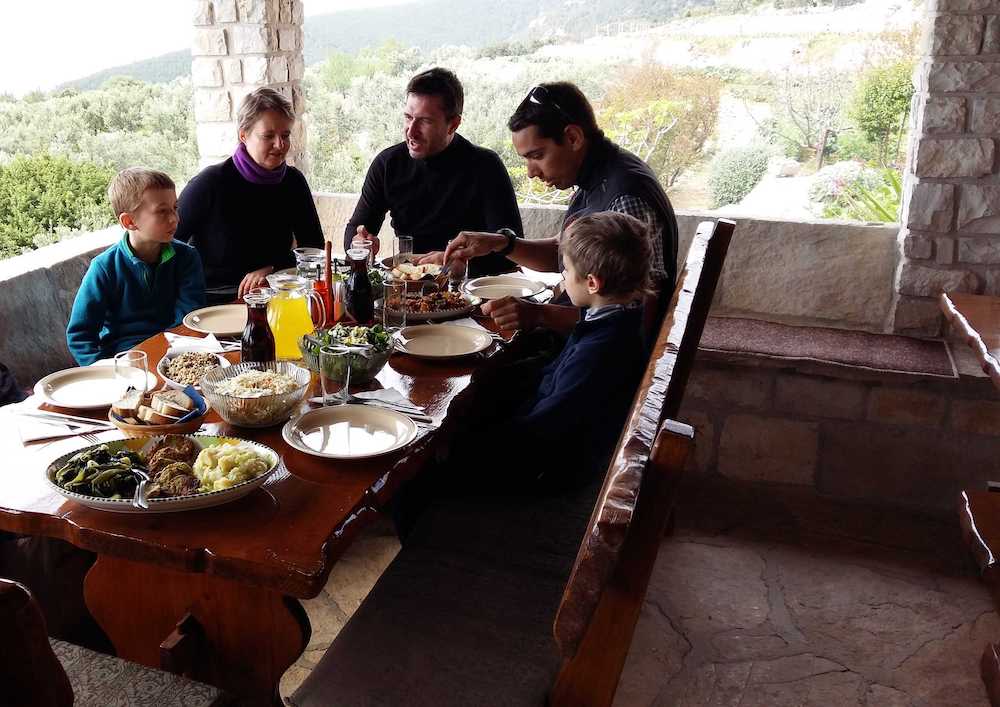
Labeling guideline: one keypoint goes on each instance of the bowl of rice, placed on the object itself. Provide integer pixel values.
(256, 394)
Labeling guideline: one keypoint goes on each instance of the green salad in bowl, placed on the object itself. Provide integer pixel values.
(363, 367)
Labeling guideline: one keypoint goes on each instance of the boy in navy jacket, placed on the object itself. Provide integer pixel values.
(569, 428)
(143, 284)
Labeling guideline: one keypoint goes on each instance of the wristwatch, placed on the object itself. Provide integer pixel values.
(511, 240)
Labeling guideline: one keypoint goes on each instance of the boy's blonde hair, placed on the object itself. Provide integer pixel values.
(126, 189)
(257, 102)
(612, 246)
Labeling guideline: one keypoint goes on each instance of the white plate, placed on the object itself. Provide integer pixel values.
(86, 388)
(387, 262)
(349, 432)
(221, 320)
(471, 303)
(442, 341)
(169, 504)
(161, 369)
(497, 286)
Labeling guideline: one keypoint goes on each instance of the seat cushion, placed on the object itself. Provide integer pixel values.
(100, 680)
(463, 615)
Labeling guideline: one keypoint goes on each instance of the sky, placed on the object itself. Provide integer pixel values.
(48, 42)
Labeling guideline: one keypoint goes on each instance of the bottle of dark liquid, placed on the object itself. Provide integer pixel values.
(360, 295)
(258, 340)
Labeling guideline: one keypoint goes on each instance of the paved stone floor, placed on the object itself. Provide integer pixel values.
(767, 596)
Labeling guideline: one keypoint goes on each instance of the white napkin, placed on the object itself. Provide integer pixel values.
(32, 429)
(469, 322)
(388, 395)
(177, 344)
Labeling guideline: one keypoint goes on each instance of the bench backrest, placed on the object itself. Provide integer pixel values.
(605, 591)
(30, 673)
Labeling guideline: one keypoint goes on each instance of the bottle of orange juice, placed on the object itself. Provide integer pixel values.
(288, 314)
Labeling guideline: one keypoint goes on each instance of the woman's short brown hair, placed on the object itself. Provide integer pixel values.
(260, 101)
(127, 187)
(612, 246)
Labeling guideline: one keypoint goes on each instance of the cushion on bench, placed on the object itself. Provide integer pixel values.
(100, 680)
(428, 613)
(884, 353)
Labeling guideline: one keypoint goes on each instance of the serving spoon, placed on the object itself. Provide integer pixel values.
(139, 498)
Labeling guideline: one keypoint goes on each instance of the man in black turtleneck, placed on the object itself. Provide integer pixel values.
(436, 183)
(555, 131)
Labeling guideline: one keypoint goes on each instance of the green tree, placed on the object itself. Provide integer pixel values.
(880, 106)
(42, 193)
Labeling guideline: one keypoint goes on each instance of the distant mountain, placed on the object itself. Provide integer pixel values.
(429, 24)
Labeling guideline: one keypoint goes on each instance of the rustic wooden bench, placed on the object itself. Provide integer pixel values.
(467, 612)
(36, 671)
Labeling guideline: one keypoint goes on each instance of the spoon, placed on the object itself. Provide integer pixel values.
(139, 499)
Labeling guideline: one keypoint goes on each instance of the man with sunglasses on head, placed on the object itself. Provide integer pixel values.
(555, 131)
(436, 183)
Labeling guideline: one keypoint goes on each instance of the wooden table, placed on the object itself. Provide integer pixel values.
(239, 568)
(976, 318)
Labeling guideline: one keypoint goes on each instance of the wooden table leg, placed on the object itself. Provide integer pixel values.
(250, 635)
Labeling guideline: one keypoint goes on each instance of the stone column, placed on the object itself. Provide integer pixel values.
(950, 236)
(238, 46)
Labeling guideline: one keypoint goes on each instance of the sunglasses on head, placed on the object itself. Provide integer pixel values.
(540, 96)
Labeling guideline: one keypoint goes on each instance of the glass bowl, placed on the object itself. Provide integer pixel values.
(262, 411)
(363, 369)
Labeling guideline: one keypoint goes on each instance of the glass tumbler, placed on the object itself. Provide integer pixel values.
(131, 371)
(335, 363)
(394, 304)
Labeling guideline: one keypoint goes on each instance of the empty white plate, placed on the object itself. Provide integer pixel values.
(442, 340)
(87, 388)
(349, 432)
(221, 320)
(497, 286)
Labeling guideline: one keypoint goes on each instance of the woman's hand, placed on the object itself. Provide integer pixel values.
(364, 235)
(256, 278)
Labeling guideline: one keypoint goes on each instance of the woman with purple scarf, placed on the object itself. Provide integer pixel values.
(246, 214)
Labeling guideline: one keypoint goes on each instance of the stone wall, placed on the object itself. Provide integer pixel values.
(882, 438)
(238, 46)
(951, 211)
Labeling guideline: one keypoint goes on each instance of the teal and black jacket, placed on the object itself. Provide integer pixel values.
(123, 301)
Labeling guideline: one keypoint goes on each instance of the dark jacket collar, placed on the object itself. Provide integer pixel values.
(594, 168)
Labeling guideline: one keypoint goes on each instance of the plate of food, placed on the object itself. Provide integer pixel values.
(391, 261)
(88, 387)
(442, 340)
(497, 286)
(221, 320)
(349, 432)
(187, 472)
(184, 369)
(434, 306)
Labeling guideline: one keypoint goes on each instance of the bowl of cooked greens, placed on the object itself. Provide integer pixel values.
(364, 367)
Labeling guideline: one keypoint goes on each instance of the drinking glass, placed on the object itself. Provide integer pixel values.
(458, 273)
(404, 248)
(131, 371)
(334, 360)
(394, 297)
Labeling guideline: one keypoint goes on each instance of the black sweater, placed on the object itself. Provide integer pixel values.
(237, 226)
(462, 188)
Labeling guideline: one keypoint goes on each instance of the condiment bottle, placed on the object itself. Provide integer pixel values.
(360, 296)
(257, 342)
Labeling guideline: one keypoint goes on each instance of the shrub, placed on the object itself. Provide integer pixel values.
(849, 190)
(736, 173)
(881, 104)
(41, 193)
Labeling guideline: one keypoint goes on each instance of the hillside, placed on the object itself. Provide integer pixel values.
(474, 23)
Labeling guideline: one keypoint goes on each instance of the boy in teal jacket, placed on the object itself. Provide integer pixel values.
(143, 284)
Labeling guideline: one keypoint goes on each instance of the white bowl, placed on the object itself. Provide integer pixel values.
(161, 370)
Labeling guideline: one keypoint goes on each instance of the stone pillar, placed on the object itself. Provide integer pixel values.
(950, 235)
(238, 46)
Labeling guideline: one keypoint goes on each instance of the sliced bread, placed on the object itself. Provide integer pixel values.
(128, 405)
(152, 417)
(172, 402)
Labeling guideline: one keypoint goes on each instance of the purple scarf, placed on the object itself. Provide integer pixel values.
(253, 172)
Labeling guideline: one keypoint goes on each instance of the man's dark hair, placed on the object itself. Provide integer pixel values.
(442, 83)
(552, 107)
